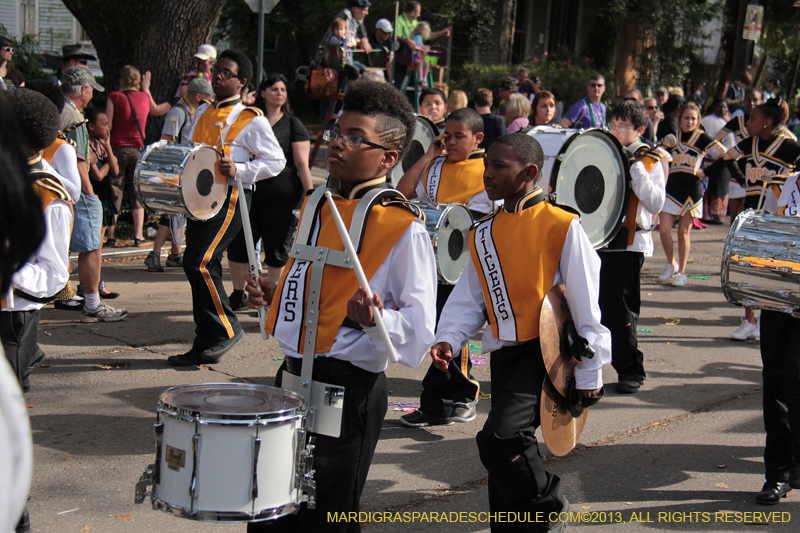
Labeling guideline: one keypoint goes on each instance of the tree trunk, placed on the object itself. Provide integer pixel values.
(156, 35)
(728, 41)
(507, 30)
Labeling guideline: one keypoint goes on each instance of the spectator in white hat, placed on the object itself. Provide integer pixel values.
(205, 58)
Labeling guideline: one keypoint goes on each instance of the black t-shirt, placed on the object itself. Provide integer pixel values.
(669, 125)
(493, 127)
(286, 186)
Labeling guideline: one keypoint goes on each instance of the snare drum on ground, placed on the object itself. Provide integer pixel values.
(588, 171)
(178, 179)
(229, 452)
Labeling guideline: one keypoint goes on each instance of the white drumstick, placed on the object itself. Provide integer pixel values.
(174, 129)
(362, 278)
(219, 126)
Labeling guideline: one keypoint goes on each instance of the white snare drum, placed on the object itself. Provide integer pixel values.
(448, 227)
(588, 171)
(424, 134)
(180, 179)
(229, 452)
(761, 262)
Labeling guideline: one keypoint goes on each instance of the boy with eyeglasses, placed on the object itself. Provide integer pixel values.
(589, 112)
(622, 260)
(252, 153)
(371, 136)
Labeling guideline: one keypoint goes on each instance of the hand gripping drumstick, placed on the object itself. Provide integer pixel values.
(362, 278)
(248, 238)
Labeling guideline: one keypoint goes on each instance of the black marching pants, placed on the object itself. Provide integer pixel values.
(202, 263)
(440, 390)
(19, 332)
(780, 354)
(341, 464)
(507, 443)
(620, 302)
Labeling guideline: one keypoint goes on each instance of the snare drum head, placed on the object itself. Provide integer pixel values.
(231, 399)
(202, 186)
(592, 177)
(448, 227)
(424, 133)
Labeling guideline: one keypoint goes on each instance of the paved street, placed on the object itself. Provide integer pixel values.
(689, 442)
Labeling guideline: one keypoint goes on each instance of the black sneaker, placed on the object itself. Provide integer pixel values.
(190, 358)
(418, 419)
(628, 386)
(174, 260)
(464, 412)
(153, 262)
(214, 353)
(238, 301)
(772, 492)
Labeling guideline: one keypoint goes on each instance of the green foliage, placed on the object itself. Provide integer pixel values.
(27, 58)
(604, 36)
(566, 73)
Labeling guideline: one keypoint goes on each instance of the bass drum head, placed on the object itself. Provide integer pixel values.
(452, 244)
(591, 176)
(203, 188)
(424, 133)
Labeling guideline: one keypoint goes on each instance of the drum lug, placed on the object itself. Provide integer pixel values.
(304, 480)
(144, 482)
(195, 464)
(560, 157)
(256, 452)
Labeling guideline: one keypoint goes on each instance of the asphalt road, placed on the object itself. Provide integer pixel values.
(683, 454)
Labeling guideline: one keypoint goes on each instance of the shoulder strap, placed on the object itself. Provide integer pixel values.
(135, 117)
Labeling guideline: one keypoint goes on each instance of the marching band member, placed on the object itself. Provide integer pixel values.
(46, 272)
(780, 355)
(370, 137)
(684, 191)
(455, 178)
(518, 254)
(621, 262)
(252, 153)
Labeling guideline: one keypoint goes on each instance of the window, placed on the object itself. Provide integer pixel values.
(28, 15)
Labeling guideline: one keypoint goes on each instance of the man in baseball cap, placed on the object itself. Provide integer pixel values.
(206, 52)
(205, 58)
(382, 38)
(79, 77)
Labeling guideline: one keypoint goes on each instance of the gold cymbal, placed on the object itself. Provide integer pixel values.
(558, 361)
(560, 429)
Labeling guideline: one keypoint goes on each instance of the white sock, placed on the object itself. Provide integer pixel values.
(91, 301)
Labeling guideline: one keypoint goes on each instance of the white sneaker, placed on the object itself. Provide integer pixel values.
(679, 280)
(756, 333)
(103, 313)
(745, 331)
(668, 272)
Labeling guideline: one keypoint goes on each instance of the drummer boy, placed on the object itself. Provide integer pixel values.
(433, 104)
(517, 255)
(370, 137)
(455, 178)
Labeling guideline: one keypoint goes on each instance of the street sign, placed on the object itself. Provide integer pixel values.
(269, 5)
(752, 22)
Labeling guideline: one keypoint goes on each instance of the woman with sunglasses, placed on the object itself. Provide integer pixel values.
(10, 77)
(273, 202)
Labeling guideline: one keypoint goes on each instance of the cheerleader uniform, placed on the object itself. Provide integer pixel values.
(684, 188)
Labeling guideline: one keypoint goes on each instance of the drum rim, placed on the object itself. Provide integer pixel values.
(399, 164)
(203, 417)
(627, 170)
(223, 516)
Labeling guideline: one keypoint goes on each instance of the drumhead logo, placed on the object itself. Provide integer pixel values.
(174, 457)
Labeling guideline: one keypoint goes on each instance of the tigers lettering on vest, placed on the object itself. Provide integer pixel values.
(516, 256)
(286, 320)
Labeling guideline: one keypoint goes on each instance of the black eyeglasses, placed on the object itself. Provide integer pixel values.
(353, 141)
(225, 74)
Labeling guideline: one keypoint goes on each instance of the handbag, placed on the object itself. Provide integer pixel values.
(135, 118)
(323, 85)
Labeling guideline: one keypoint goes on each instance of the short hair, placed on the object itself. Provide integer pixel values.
(48, 88)
(130, 78)
(37, 118)
(468, 117)
(374, 75)
(412, 5)
(428, 91)
(507, 83)
(745, 78)
(91, 114)
(525, 149)
(650, 99)
(243, 63)
(456, 100)
(74, 91)
(595, 77)
(639, 94)
(518, 106)
(520, 70)
(394, 118)
(483, 97)
(754, 91)
(633, 111)
(338, 24)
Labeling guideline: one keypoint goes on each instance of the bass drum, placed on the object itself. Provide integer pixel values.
(448, 227)
(587, 171)
(424, 134)
(180, 179)
(761, 263)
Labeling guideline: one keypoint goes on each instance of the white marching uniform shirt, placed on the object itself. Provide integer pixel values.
(16, 449)
(789, 202)
(479, 202)
(650, 189)
(65, 163)
(46, 273)
(578, 269)
(255, 151)
(407, 277)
